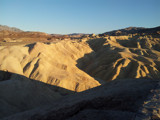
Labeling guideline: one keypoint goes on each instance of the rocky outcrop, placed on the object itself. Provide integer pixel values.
(119, 99)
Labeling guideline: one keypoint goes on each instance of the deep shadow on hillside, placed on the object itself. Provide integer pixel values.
(95, 45)
(19, 93)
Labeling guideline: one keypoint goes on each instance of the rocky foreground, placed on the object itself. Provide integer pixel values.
(90, 77)
(129, 99)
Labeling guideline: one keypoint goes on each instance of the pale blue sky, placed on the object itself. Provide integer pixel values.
(79, 16)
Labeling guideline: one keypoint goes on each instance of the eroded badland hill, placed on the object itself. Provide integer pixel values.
(45, 77)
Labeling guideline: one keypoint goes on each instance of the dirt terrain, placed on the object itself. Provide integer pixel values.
(45, 75)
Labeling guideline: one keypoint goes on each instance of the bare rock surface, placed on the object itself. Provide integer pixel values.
(119, 99)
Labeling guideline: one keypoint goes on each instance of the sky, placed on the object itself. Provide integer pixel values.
(79, 16)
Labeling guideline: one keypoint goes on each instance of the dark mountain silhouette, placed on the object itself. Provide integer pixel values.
(133, 30)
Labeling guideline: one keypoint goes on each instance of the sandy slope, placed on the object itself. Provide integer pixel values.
(123, 57)
(54, 64)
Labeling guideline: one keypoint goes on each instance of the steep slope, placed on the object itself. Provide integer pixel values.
(122, 57)
(54, 64)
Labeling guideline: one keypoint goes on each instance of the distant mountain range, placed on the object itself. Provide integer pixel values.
(125, 31)
(77, 34)
(6, 28)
